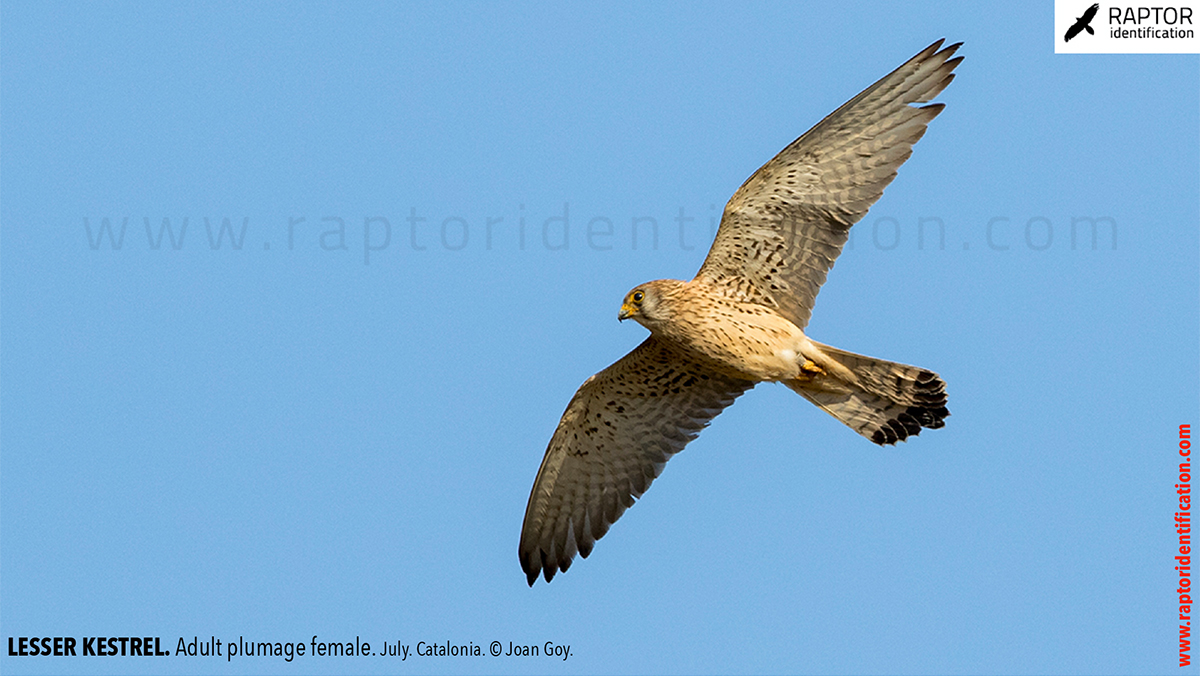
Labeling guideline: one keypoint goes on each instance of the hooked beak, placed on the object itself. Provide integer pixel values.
(625, 313)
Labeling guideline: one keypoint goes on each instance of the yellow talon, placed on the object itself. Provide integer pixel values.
(810, 369)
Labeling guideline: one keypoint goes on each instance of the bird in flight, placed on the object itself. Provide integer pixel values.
(741, 321)
(1083, 23)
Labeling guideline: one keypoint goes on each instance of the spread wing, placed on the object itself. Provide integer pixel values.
(783, 229)
(616, 435)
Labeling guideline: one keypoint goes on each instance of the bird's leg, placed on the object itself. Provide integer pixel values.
(809, 370)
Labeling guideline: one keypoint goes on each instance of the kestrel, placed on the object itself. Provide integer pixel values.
(741, 321)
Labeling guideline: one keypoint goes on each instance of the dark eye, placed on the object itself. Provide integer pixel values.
(638, 296)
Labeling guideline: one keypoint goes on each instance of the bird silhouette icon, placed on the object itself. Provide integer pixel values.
(1083, 23)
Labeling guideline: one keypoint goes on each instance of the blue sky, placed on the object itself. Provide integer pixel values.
(332, 427)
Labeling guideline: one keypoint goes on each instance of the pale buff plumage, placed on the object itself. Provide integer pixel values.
(741, 321)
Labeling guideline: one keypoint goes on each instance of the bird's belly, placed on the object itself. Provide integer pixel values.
(752, 346)
(781, 363)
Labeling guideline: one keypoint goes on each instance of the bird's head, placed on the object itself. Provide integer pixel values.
(647, 303)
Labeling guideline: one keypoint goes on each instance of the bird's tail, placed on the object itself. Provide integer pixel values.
(884, 401)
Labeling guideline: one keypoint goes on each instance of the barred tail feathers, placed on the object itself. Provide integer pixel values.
(884, 401)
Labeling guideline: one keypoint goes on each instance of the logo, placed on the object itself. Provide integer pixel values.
(1126, 27)
(1083, 23)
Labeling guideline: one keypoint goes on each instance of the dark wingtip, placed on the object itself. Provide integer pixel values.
(936, 48)
(532, 564)
(531, 571)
